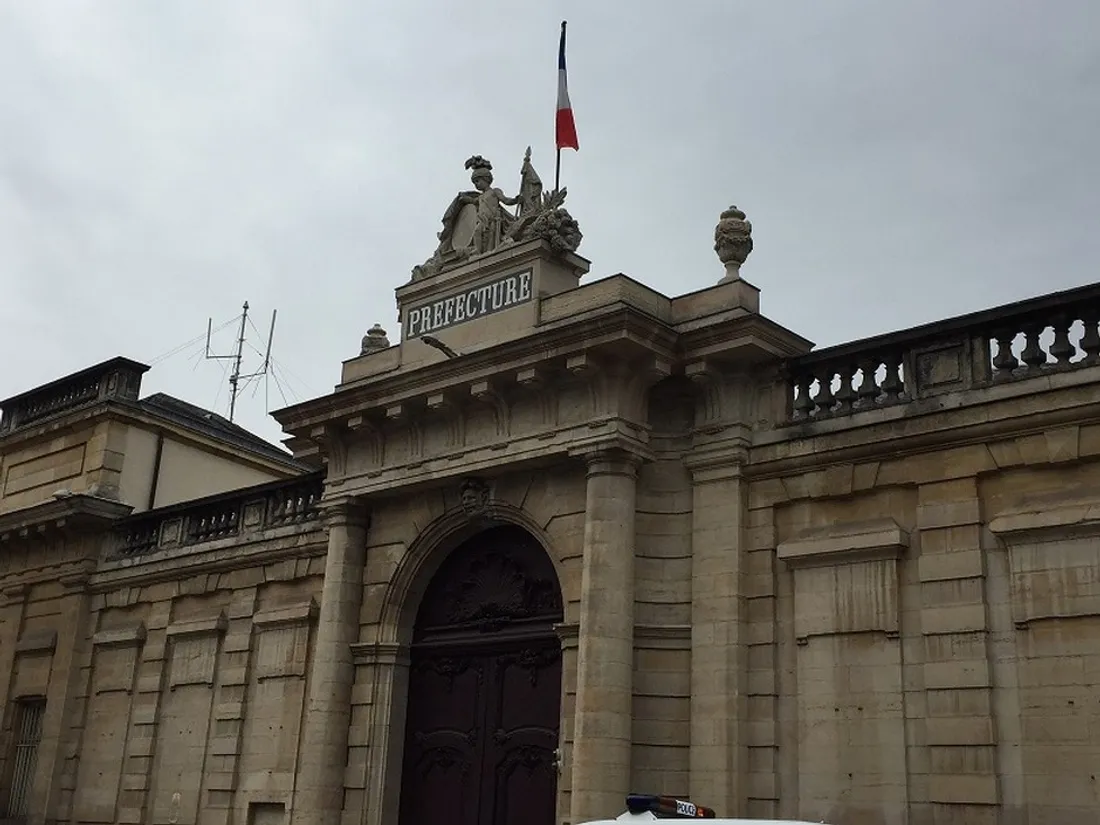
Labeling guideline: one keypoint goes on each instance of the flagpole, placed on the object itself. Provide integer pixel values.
(557, 136)
(565, 130)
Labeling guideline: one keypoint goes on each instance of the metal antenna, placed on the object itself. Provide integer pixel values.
(236, 376)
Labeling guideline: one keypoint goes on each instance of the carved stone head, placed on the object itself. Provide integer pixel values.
(474, 494)
(481, 172)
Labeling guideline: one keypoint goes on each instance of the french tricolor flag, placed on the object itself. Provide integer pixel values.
(565, 127)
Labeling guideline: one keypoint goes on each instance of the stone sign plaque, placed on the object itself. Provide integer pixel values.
(469, 304)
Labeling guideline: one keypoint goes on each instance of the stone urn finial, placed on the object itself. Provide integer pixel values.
(732, 242)
(374, 340)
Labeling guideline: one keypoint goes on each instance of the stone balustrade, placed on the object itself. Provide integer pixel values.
(118, 378)
(252, 510)
(1054, 333)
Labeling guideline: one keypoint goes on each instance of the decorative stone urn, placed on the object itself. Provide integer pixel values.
(375, 340)
(732, 242)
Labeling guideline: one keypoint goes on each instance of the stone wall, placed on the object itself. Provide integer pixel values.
(923, 593)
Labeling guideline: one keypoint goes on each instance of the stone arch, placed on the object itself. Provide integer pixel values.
(429, 550)
(483, 684)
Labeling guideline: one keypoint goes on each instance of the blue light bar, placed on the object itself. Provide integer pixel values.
(667, 807)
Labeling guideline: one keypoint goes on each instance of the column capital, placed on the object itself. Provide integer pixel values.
(345, 511)
(717, 461)
(613, 461)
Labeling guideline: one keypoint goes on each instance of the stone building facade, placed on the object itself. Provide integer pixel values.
(569, 541)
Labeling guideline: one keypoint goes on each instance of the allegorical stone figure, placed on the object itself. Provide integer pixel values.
(491, 215)
(477, 222)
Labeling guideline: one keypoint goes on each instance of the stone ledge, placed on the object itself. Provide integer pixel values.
(1080, 520)
(289, 614)
(119, 636)
(209, 560)
(876, 540)
(196, 627)
(379, 653)
(662, 637)
(39, 641)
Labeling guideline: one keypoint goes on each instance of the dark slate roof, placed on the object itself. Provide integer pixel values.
(215, 426)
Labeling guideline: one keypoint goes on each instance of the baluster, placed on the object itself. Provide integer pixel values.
(1062, 350)
(1005, 362)
(1090, 341)
(1033, 355)
(868, 391)
(825, 399)
(892, 384)
(803, 405)
(845, 395)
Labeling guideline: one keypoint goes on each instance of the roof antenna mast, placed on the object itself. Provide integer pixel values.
(235, 377)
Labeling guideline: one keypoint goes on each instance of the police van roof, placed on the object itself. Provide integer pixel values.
(647, 807)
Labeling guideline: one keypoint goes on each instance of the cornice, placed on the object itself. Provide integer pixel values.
(924, 429)
(845, 543)
(190, 561)
(74, 512)
(616, 324)
(537, 449)
(1080, 520)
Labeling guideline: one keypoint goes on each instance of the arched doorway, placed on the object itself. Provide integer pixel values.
(485, 688)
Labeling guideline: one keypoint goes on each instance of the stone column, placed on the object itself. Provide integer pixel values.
(319, 795)
(605, 661)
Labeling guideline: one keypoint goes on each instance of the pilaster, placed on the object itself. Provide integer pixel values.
(13, 598)
(379, 728)
(718, 755)
(319, 796)
(960, 734)
(72, 639)
(718, 752)
(602, 736)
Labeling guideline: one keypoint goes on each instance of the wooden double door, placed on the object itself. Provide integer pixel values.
(484, 699)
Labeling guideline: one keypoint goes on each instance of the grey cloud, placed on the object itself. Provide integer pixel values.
(161, 163)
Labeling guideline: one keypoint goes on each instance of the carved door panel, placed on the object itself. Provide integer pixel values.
(519, 772)
(485, 689)
(482, 735)
(443, 744)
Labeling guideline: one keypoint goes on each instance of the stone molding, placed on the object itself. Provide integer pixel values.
(393, 654)
(881, 539)
(662, 637)
(223, 557)
(298, 613)
(569, 633)
(198, 627)
(120, 636)
(15, 594)
(612, 461)
(38, 641)
(60, 515)
(937, 423)
(1076, 521)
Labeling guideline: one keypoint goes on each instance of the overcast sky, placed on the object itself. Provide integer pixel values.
(162, 162)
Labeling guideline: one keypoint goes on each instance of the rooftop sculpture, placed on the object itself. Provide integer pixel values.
(477, 222)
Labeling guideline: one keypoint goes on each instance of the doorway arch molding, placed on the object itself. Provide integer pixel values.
(428, 551)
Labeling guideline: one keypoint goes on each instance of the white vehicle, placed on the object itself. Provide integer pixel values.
(645, 808)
